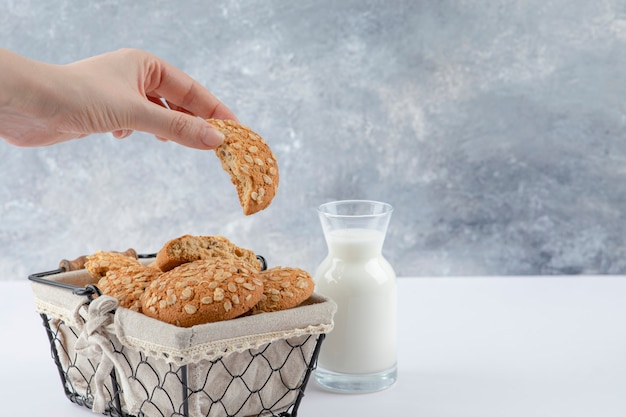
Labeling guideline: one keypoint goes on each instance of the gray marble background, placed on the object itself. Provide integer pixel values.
(495, 128)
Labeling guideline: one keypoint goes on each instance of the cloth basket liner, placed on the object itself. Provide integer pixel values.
(93, 335)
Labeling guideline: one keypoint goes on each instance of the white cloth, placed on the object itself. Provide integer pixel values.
(95, 341)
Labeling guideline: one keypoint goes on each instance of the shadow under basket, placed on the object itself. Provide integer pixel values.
(118, 362)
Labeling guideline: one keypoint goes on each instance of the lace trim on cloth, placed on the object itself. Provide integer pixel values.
(60, 313)
(221, 348)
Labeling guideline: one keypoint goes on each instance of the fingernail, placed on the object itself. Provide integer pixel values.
(121, 134)
(212, 137)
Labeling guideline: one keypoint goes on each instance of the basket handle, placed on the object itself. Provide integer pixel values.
(79, 263)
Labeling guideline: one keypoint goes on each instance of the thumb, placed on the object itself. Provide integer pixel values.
(182, 128)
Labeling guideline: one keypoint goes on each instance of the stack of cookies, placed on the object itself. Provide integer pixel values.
(198, 279)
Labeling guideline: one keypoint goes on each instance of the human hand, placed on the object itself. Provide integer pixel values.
(116, 92)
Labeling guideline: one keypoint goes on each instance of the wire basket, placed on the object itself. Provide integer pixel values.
(120, 363)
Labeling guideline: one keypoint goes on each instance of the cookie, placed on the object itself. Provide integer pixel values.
(99, 263)
(250, 163)
(127, 284)
(283, 288)
(189, 248)
(202, 291)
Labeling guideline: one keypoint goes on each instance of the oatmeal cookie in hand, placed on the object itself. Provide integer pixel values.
(250, 163)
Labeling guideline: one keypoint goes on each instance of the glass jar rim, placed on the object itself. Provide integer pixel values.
(386, 208)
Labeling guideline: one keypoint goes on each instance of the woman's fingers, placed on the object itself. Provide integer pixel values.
(179, 127)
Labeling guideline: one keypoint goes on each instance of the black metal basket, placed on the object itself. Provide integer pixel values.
(167, 389)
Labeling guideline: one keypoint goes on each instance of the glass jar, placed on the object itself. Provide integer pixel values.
(359, 354)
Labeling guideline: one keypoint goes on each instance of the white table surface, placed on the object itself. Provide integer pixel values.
(502, 347)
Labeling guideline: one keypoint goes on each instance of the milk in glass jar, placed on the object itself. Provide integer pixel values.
(359, 355)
